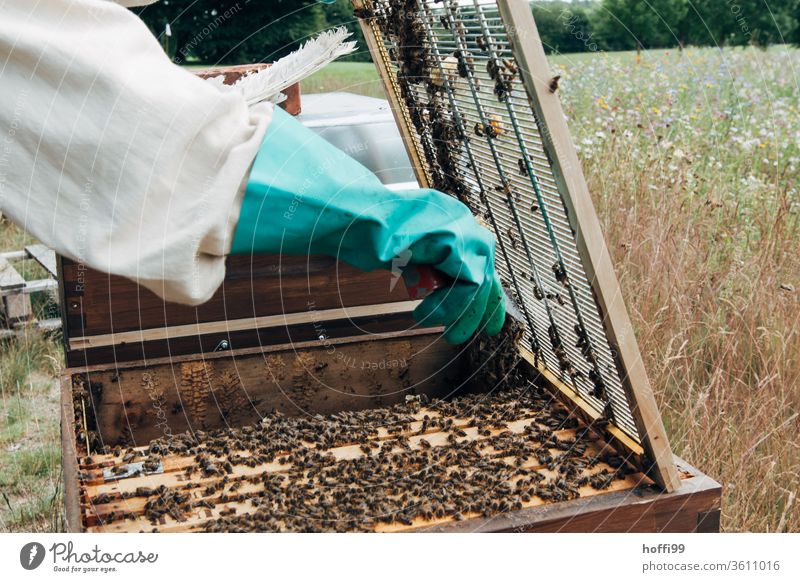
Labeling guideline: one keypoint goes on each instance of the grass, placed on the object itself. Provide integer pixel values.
(692, 159)
(30, 458)
(361, 78)
(18, 357)
(30, 451)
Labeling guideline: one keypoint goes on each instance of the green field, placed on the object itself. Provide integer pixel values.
(692, 158)
(361, 78)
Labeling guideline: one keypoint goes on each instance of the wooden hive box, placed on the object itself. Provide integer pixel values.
(289, 338)
(127, 405)
(125, 395)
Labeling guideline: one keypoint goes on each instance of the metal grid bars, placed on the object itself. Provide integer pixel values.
(458, 80)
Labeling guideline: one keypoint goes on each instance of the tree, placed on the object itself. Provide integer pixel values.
(770, 21)
(627, 24)
(743, 22)
(241, 31)
(234, 31)
(340, 13)
(708, 22)
(794, 36)
(565, 27)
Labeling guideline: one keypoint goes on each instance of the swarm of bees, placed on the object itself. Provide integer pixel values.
(435, 87)
(558, 349)
(493, 128)
(409, 465)
(426, 79)
(503, 72)
(466, 64)
(561, 274)
(499, 356)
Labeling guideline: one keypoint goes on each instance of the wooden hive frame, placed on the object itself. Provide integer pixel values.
(539, 86)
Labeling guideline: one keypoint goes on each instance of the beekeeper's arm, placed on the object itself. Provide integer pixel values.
(119, 159)
(114, 156)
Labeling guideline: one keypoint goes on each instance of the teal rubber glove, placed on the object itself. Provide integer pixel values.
(304, 196)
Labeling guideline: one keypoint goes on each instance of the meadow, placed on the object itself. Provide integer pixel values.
(692, 158)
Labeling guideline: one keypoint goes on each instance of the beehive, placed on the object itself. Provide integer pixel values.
(322, 406)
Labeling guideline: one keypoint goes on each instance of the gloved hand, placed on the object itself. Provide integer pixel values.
(304, 196)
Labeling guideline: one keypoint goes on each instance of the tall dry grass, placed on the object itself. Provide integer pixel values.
(719, 336)
(698, 195)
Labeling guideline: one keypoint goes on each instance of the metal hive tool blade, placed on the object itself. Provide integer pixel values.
(470, 88)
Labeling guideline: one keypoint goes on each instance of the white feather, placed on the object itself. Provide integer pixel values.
(268, 83)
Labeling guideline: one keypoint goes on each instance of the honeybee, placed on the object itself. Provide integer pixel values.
(466, 64)
(599, 388)
(510, 66)
(447, 73)
(512, 238)
(492, 69)
(561, 274)
(495, 126)
(364, 13)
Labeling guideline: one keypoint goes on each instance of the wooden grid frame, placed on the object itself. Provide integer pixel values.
(529, 53)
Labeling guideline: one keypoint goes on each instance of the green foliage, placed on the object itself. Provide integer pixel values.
(772, 22)
(740, 22)
(340, 13)
(565, 27)
(233, 31)
(236, 31)
(634, 24)
(708, 22)
(794, 35)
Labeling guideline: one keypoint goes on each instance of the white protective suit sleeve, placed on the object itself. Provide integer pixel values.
(114, 156)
